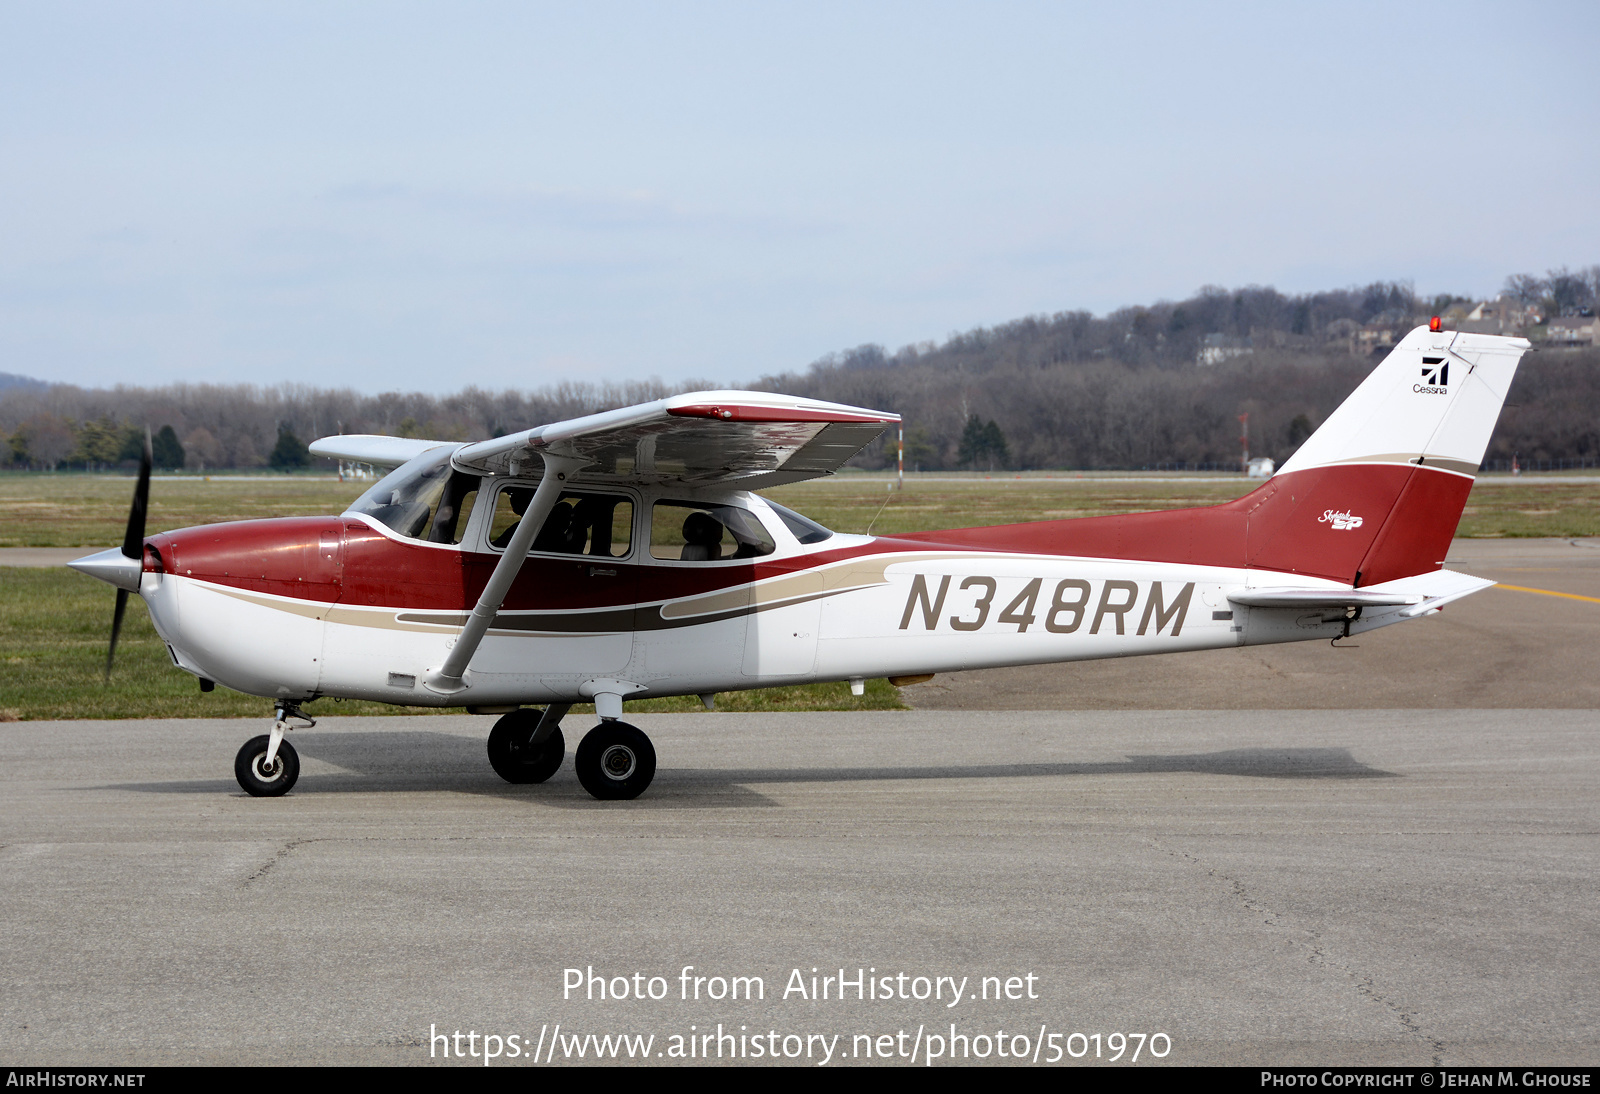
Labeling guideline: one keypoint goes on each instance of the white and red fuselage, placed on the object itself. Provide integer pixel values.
(342, 606)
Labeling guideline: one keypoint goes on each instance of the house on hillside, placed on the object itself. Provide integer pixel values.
(1217, 348)
(1501, 315)
(1570, 330)
(1341, 330)
(1373, 340)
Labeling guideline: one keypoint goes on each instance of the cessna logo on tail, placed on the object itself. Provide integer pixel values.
(1342, 521)
(1435, 377)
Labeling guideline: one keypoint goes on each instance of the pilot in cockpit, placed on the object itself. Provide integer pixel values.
(558, 531)
(519, 500)
(566, 529)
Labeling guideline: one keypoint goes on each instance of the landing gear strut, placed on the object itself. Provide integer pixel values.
(526, 746)
(267, 766)
(615, 761)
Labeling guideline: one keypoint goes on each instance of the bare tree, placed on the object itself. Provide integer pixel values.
(1569, 291)
(1525, 288)
(202, 449)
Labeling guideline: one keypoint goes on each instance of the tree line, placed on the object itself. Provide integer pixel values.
(1124, 391)
(1100, 415)
(1069, 390)
(245, 426)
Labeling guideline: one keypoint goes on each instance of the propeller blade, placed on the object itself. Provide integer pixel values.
(116, 629)
(132, 542)
(133, 539)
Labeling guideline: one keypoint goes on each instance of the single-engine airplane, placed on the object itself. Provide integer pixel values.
(628, 554)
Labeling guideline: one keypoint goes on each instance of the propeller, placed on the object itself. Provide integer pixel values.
(132, 542)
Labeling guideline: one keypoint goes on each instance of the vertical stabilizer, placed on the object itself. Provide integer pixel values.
(1434, 400)
(1376, 493)
(1373, 496)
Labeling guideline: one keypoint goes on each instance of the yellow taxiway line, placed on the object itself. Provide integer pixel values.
(1548, 592)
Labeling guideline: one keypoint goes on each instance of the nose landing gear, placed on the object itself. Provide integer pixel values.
(261, 779)
(267, 766)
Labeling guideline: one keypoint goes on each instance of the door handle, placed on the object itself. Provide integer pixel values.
(600, 571)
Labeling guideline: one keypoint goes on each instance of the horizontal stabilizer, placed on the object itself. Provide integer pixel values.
(1418, 595)
(373, 449)
(1437, 589)
(1322, 598)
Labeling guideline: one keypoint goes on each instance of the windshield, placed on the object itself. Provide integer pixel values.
(805, 529)
(424, 499)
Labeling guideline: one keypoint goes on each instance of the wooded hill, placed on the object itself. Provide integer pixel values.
(1064, 391)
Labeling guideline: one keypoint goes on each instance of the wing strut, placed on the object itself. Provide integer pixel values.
(449, 677)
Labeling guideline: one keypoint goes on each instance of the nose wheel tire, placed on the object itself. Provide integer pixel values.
(514, 759)
(259, 780)
(615, 761)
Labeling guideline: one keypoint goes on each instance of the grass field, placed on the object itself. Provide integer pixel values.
(79, 510)
(54, 623)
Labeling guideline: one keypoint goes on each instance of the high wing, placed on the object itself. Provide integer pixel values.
(746, 439)
(379, 451)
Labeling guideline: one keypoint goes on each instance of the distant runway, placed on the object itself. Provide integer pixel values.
(31, 557)
(1331, 886)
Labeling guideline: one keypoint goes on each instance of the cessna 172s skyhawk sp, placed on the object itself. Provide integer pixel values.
(625, 555)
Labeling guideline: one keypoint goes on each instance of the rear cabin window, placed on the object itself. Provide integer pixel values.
(429, 501)
(686, 531)
(581, 523)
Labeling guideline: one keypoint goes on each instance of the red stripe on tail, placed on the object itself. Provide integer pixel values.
(1382, 521)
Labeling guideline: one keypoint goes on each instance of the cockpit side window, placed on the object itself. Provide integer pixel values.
(581, 523)
(688, 531)
(426, 500)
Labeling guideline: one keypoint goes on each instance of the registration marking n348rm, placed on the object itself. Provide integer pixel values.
(1063, 612)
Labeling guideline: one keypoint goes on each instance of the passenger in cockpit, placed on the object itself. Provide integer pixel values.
(702, 538)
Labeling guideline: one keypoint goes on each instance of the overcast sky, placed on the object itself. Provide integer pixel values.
(422, 196)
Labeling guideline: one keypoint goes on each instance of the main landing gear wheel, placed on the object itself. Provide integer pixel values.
(259, 780)
(514, 759)
(615, 761)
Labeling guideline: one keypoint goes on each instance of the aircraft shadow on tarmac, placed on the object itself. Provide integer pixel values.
(416, 762)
